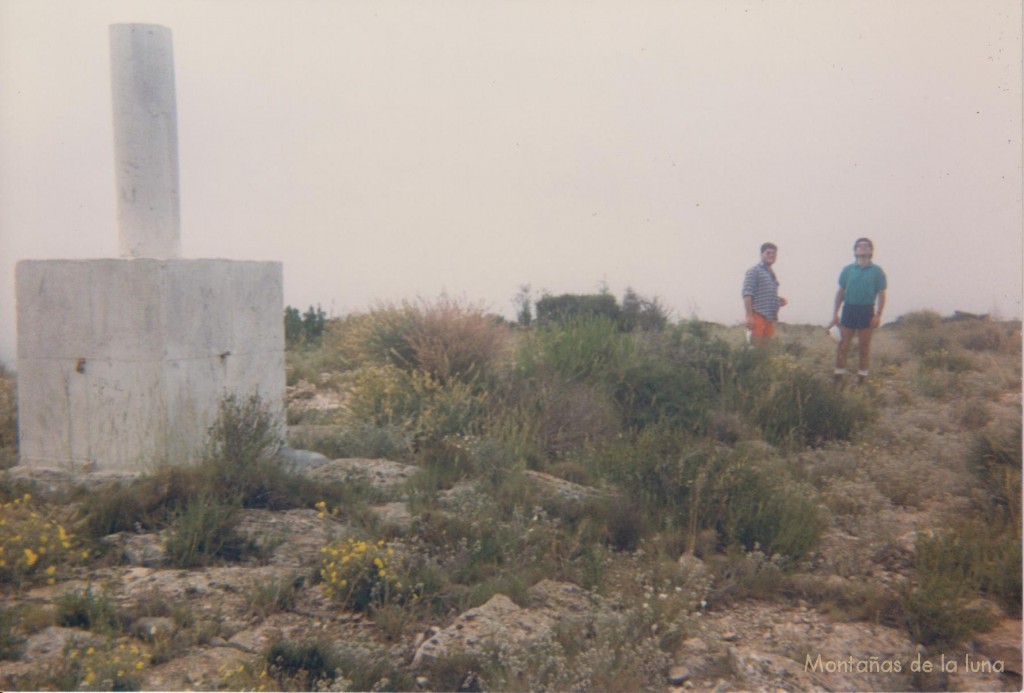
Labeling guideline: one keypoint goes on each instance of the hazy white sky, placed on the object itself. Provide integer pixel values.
(389, 150)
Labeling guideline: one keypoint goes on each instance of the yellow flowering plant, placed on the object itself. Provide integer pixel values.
(360, 574)
(104, 667)
(34, 544)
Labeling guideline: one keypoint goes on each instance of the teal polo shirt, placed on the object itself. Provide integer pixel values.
(861, 284)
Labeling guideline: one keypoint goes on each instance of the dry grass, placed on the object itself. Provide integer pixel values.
(446, 338)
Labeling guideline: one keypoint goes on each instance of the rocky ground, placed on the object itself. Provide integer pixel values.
(201, 628)
(781, 643)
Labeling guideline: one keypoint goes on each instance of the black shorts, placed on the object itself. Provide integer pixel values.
(857, 317)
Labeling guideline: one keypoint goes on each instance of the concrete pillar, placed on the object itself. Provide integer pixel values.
(145, 140)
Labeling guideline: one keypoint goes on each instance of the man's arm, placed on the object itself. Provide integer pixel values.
(748, 307)
(877, 319)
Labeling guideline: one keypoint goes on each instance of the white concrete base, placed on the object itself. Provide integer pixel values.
(122, 363)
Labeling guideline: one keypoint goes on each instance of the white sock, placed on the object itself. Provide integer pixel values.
(840, 371)
(862, 374)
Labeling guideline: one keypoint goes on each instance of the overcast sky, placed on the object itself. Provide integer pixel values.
(394, 150)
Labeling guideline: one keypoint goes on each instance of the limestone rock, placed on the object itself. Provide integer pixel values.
(302, 460)
(1002, 643)
(147, 549)
(501, 621)
(380, 473)
(153, 628)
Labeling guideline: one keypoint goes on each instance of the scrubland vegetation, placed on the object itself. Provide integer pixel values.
(688, 442)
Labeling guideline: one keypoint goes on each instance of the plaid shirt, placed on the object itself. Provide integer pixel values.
(761, 284)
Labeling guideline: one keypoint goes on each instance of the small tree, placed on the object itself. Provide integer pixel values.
(292, 326)
(304, 328)
(524, 306)
(313, 321)
(639, 313)
(569, 307)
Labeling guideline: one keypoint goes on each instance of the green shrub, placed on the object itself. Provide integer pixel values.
(743, 574)
(415, 403)
(240, 457)
(990, 336)
(306, 665)
(690, 485)
(112, 666)
(575, 307)
(653, 391)
(576, 350)
(11, 641)
(149, 502)
(89, 611)
(795, 406)
(938, 605)
(995, 458)
(204, 531)
(240, 468)
(303, 328)
(639, 313)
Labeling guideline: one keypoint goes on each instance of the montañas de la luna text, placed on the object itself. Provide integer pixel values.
(878, 665)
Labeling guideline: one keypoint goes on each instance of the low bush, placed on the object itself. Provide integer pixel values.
(200, 504)
(949, 360)
(938, 604)
(204, 531)
(568, 307)
(307, 665)
(11, 641)
(992, 337)
(34, 544)
(414, 403)
(447, 339)
(658, 391)
(995, 459)
(88, 610)
(794, 406)
(689, 485)
(360, 574)
(112, 666)
(582, 348)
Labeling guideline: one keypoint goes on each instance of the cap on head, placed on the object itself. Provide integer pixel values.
(768, 246)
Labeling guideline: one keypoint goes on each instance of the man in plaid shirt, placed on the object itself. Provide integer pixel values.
(761, 298)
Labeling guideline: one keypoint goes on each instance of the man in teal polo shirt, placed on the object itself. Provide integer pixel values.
(861, 285)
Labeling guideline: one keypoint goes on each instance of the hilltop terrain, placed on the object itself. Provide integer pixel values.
(583, 504)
